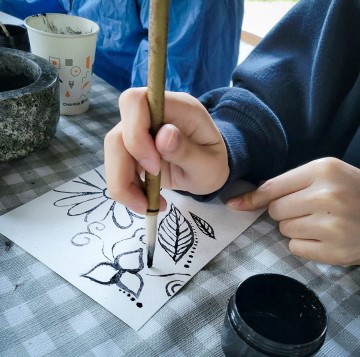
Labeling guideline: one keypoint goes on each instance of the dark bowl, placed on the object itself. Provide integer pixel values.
(18, 39)
(29, 103)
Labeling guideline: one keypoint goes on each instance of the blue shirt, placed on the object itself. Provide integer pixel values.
(203, 39)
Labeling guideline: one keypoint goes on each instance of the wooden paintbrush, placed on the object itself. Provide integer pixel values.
(158, 30)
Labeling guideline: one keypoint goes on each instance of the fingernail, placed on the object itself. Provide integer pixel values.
(234, 203)
(149, 166)
(172, 142)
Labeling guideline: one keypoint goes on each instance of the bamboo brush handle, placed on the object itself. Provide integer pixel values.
(158, 29)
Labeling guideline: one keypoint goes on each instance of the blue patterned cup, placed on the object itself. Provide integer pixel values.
(69, 44)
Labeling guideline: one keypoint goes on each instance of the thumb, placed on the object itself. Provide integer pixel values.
(168, 141)
(249, 201)
(177, 149)
(289, 182)
(190, 162)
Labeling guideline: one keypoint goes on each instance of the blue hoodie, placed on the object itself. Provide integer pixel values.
(297, 96)
(203, 39)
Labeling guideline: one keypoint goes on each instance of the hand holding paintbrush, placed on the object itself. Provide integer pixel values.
(158, 28)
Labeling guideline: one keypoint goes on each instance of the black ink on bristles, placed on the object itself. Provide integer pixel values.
(150, 256)
(151, 234)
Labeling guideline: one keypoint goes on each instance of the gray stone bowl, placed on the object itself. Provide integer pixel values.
(29, 103)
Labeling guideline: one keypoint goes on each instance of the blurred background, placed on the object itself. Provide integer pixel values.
(259, 17)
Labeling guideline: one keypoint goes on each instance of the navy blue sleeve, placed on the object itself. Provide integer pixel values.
(297, 96)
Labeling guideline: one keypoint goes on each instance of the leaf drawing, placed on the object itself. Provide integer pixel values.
(124, 272)
(176, 235)
(203, 225)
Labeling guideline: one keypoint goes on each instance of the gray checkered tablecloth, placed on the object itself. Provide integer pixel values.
(43, 315)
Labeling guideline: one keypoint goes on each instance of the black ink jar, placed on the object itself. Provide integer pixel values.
(273, 315)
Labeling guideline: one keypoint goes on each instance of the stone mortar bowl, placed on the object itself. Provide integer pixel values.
(29, 103)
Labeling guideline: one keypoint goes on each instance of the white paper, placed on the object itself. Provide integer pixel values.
(99, 246)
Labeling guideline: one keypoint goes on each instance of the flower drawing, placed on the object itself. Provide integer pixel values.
(123, 272)
(91, 199)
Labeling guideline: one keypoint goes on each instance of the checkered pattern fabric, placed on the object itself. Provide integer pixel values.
(43, 315)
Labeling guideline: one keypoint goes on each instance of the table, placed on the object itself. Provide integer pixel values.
(43, 315)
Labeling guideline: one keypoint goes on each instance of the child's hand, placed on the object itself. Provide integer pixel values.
(188, 149)
(318, 207)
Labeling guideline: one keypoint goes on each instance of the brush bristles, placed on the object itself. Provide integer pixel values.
(151, 232)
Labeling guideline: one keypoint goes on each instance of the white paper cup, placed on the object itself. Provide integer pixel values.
(69, 43)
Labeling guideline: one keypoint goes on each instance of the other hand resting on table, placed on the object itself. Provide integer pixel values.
(318, 207)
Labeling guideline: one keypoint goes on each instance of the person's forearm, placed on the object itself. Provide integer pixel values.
(255, 140)
(297, 96)
(307, 71)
